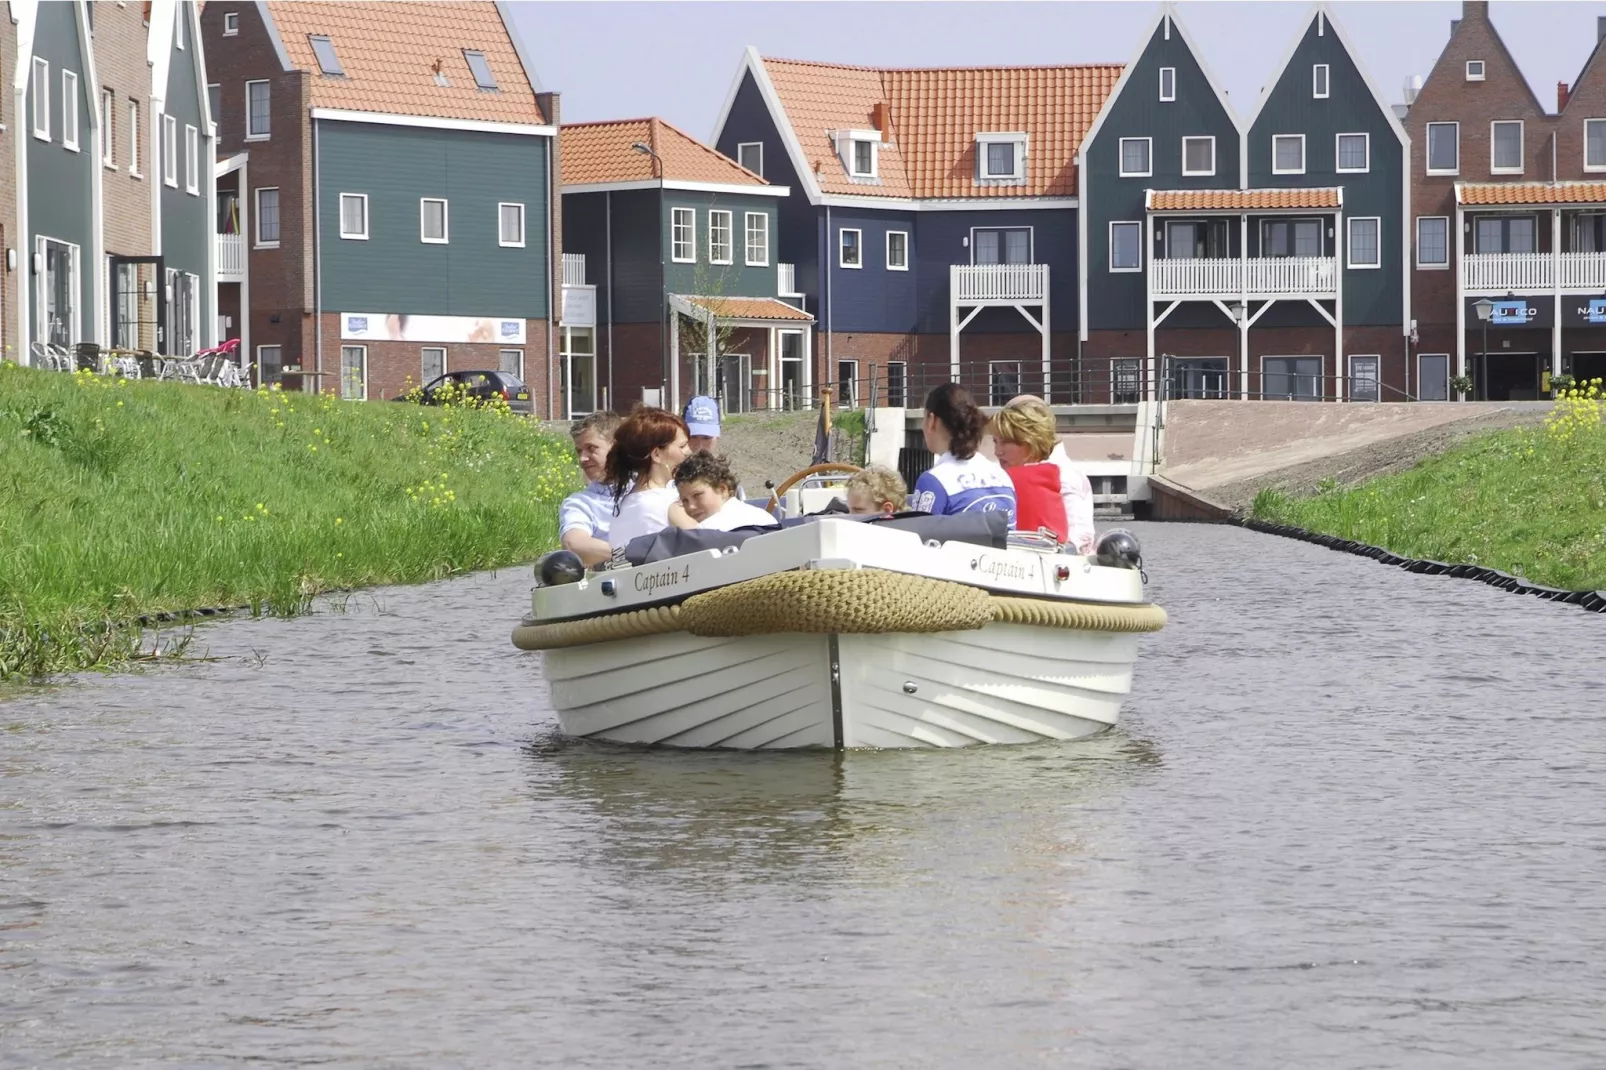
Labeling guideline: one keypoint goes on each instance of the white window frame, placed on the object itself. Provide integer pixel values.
(1522, 146)
(1125, 223)
(75, 328)
(69, 110)
(446, 221)
(1017, 172)
(41, 98)
(904, 234)
(1433, 265)
(423, 379)
(278, 217)
(1349, 242)
(192, 160)
(1321, 81)
(842, 247)
(1200, 137)
(728, 217)
(133, 138)
(676, 226)
(267, 88)
(1338, 156)
(280, 348)
(1427, 150)
(1482, 70)
(759, 145)
(509, 349)
(170, 150)
(108, 129)
(1120, 160)
(1031, 243)
(850, 159)
(1168, 94)
(762, 230)
(1302, 160)
(355, 235)
(501, 239)
(231, 24)
(364, 351)
(1601, 166)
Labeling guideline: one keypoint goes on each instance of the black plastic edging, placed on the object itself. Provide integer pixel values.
(1593, 601)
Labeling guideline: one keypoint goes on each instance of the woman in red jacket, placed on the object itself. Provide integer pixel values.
(1022, 440)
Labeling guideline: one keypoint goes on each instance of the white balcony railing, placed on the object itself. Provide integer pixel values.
(230, 257)
(786, 281)
(1582, 271)
(1002, 283)
(574, 269)
(1226, 277)
(1509, 271)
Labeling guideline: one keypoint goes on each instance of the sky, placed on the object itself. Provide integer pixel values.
(676, 60)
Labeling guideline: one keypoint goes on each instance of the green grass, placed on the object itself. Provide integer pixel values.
(1528, 502)
(121, 499)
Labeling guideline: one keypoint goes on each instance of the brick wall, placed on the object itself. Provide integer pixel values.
(394, 367)
(120, 63)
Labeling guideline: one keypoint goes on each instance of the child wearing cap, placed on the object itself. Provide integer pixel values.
(702, 423)
(707, 485)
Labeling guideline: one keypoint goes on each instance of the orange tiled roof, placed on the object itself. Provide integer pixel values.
(749, 308)
(601, 152)
(1531, 192)
(389, 52)
(1241, 200)
(934, 115)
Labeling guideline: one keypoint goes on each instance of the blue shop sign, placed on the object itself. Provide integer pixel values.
(1583, 311)
(1513, 312)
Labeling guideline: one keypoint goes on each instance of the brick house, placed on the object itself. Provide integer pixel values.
(385, 201)
(932, 216)
(1510, 215)
(662, 234)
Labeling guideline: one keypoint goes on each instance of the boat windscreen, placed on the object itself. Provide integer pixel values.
(989, 529)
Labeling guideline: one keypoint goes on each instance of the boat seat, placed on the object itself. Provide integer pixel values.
(990, 529)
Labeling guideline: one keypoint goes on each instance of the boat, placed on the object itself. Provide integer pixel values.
(842, 632)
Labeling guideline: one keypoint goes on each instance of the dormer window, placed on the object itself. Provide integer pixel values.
(859, 150)
(1474, 70)
(480, 68)
(1000, 158)
(328, 62)
(231, 24)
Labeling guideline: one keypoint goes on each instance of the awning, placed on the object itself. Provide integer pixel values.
(1325, 198)
(742, 311)
(1530, 194)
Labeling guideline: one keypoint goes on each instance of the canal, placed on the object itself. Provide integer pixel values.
(1353, 817)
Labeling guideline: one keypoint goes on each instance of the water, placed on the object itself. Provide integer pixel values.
(1352, 818)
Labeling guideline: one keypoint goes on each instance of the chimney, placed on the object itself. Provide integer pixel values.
(1600, 27)
(878, 120)
(1561, 97)
(1475, 10)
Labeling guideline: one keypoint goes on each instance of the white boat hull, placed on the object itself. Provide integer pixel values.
(1004, 683)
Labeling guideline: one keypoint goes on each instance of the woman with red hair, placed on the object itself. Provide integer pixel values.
(647, 447)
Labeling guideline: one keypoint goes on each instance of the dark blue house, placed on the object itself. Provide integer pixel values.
(931, 225)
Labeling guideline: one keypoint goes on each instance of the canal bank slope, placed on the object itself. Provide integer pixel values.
(121, 500)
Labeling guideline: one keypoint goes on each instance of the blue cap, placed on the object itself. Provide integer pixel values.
(702, 417)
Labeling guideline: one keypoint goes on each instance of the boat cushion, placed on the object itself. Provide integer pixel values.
(989, 529)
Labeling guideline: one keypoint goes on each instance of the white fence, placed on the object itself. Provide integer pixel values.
(231, 257)
(998, 282)
(785, 280)
(1228, 277)
(1507, 272)
(574, 269)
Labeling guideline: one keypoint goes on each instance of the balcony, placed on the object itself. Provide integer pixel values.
(231, 258)
(579, 300)
(998, 284)
(786, 281)
(1293, 276)
(574, 269)
(1533, 272)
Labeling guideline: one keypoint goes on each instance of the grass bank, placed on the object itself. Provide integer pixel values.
(1531, 502)
(121, 499)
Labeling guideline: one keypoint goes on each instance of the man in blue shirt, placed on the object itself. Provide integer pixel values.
(584, 516)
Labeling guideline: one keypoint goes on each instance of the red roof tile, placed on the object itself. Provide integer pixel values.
(1531, 192)
(1241, 200)
(390, 50)
(601, 152)
(932, 118)
(749, 308)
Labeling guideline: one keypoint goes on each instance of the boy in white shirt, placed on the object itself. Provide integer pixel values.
(707, 487)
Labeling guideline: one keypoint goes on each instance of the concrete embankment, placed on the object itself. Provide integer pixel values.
(1225, 452)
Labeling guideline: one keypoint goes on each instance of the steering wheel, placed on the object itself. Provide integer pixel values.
(798, 476)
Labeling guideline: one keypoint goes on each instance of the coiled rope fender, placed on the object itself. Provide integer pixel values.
(856, 601)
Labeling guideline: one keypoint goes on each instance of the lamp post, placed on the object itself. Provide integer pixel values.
(663, 298)
(1485, 310)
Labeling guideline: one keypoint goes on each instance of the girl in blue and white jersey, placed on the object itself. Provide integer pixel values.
(962, 481)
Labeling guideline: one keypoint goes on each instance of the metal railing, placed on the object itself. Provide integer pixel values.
(574, 269)
(1232, 276)
(998, 282)
(231, 257)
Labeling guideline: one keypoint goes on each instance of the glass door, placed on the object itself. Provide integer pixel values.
(1363, 379)
(59, 292)
(792, 385)
(578, 369)
(1292, 378)
(735, 377)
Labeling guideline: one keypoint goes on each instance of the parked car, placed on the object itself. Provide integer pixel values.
(480, 385)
